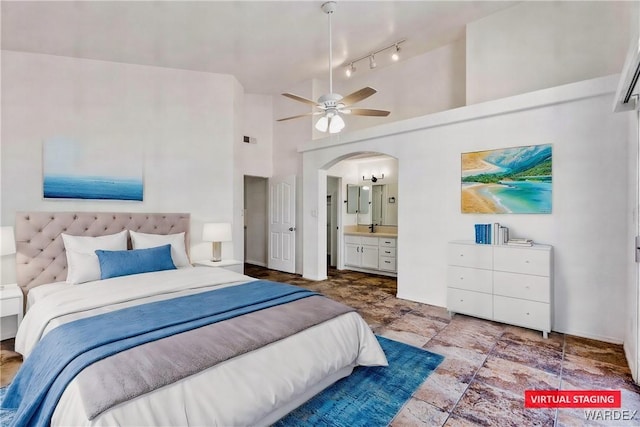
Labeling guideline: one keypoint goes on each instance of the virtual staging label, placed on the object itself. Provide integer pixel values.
(572, 399)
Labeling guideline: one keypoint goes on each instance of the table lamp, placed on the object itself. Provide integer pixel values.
(217, 232)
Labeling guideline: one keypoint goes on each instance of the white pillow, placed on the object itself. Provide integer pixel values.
(82, 261)
(178, 250)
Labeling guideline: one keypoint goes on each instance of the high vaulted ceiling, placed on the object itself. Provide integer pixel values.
(269, 46)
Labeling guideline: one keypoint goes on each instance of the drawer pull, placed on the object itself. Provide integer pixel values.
(388, 262)
(526, 262)
(461, 300)
(527, 313)
(387, 252)
(461, 254)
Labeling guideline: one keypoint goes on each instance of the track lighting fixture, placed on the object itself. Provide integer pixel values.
(373, 178)
(372, 57)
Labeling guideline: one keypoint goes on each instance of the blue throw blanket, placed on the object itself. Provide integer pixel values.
(69, 348)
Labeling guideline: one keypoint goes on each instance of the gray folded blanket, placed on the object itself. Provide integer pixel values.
(142, 369)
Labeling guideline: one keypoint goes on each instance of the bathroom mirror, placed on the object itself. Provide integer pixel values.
(384, 205)
(353, 192)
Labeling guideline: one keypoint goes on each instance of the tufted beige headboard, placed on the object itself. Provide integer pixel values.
(40, 256)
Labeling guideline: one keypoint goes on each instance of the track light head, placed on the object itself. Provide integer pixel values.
(372, 62)
(396, 55)
(350, 70)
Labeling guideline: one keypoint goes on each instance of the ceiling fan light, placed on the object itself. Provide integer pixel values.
(323, 124)
(336, 124)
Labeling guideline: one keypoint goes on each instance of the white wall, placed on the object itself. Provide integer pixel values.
(257, 122)
(587, 226)
(434, 81)
(632, 294)
(536, 45)
(185, 121)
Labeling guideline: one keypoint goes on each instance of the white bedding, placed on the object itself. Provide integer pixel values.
(240, 391)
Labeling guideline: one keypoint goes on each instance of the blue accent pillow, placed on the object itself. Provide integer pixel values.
(123, 263)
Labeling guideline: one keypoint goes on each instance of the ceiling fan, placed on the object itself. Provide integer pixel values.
(333, 105)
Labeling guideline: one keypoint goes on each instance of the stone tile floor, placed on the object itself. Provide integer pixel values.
(487, 365)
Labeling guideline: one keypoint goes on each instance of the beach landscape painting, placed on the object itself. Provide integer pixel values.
(514, 180)
(99, 171)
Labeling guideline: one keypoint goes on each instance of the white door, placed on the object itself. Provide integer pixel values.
(282, 224)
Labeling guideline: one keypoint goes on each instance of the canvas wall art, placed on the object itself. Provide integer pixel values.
(101, 170)
(514, 180)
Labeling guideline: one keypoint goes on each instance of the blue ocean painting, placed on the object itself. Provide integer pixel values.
(86, 169)
(510, 180)
(92, 187)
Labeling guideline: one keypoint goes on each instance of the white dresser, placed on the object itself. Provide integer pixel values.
(510, 284)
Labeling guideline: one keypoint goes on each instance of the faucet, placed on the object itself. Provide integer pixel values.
(372, 228)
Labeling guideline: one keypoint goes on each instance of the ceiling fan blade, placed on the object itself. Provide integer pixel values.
(366, 112)
(300, 99)
(300, 115)
(358, 95)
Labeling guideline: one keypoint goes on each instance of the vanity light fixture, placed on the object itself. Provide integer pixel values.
(373, 178)
(395, 56)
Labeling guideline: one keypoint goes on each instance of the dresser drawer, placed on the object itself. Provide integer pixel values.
(477, 256)
(10, 306)
(522, 260)
(387, 242)
(524, 286)
(390, 252)
(529, 314)
(387, 263)
(471, 279)
(469, 302)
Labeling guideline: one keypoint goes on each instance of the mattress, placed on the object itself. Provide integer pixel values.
(254, 388)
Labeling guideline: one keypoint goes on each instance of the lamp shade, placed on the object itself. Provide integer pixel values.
(8, 241)
(216, 232)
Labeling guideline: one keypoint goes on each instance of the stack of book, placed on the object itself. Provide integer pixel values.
(520, 242)
(491, 234)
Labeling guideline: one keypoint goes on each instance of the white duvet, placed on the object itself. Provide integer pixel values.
(255, 388)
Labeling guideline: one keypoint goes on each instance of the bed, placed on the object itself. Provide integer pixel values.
(233, 350)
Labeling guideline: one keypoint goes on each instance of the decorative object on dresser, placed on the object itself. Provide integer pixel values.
(217, 232)
(507, 180)
(503, 283)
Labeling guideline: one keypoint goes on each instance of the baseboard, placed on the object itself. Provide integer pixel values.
(582, 334)
(633, 364)
(258, 263)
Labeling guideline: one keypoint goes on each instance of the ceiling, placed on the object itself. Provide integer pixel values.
(269, 46)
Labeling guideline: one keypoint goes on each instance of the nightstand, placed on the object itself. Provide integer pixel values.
(229, 264)
(10, 310)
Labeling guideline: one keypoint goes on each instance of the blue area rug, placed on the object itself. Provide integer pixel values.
(370, 396)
